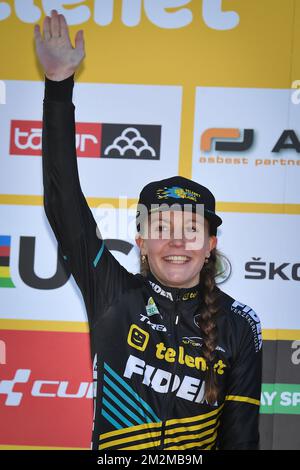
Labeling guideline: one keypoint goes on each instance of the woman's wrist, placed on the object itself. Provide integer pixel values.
(61, 90)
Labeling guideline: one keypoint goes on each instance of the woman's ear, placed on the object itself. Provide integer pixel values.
(212, 242)
(141, 244)
(138, 240)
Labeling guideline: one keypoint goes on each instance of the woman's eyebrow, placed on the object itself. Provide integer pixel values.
(193, 220)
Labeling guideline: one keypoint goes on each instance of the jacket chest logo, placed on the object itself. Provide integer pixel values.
(151, 307)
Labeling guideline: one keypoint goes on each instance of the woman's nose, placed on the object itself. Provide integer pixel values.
(178, 242)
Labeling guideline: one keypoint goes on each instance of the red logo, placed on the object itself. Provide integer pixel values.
(26, 138)
(46, 389)
(88, 139)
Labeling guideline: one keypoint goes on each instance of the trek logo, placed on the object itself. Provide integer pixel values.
(165, 14)
(93, 140)
(243, 140)
(41, 388)
(154, 326)
(161, 381)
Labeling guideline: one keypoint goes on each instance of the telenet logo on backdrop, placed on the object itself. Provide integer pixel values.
(125, 141)
(103, 12)
(239, 142)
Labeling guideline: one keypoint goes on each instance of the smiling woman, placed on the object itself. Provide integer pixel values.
(176, 361)
(177, 240)
(178, 247)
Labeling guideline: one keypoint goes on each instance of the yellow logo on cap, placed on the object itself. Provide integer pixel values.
(177, 193)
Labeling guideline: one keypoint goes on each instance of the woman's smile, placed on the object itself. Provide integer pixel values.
(177, 259)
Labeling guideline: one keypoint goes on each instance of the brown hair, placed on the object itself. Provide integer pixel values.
(207, 319)
(207, 322)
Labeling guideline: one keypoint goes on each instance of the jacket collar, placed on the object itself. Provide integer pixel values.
(173, 293)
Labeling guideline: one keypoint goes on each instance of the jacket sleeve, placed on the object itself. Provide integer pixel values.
(239, 426)
(97, 273)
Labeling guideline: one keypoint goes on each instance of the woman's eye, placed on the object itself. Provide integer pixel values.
(192, 229)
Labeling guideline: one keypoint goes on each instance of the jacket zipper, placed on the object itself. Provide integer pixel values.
(174, 324)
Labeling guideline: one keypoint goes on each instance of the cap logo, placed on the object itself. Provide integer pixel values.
(177, 193)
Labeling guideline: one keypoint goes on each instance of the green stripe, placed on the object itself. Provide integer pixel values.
(6, 282)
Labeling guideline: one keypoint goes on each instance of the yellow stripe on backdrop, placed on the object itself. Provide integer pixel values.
(82, 327)
(43, 325)
(94, 202)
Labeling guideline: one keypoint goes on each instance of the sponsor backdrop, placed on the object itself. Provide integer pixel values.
(203, 88)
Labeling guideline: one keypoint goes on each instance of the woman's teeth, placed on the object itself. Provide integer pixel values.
(177, 259)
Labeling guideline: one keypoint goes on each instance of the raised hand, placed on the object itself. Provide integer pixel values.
(56, 54)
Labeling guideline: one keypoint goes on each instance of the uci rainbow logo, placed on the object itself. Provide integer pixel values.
(5, 279)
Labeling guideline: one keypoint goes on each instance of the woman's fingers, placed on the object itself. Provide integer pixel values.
(79, 42)
(37, 34)
(54, 24)
(46, 28)
(54, 49)
(64, 30)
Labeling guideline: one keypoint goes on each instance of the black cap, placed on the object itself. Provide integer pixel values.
(181, 191)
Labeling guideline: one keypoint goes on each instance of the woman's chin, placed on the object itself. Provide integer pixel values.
(176, 279)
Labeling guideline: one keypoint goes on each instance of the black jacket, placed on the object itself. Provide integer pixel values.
(145, 341)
